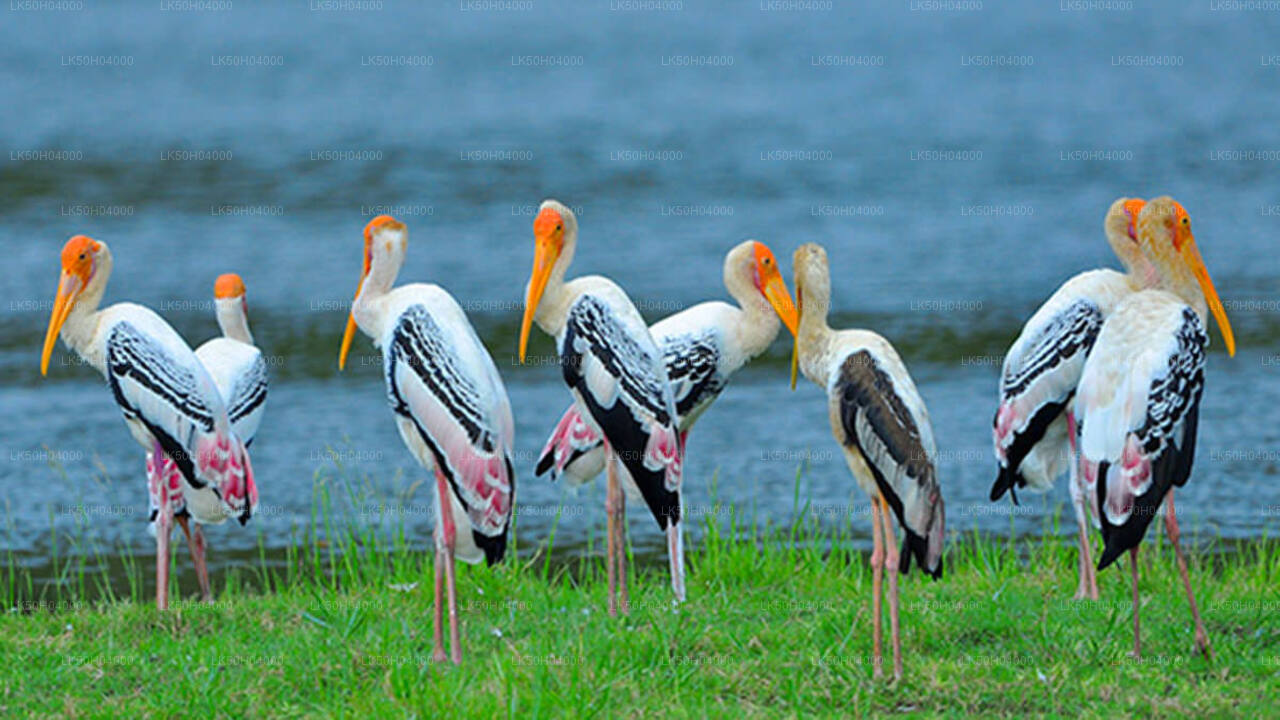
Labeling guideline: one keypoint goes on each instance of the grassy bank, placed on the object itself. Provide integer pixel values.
(777, 624)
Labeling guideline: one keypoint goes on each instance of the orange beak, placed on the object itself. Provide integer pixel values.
(349, 334)
(546, 252)
(69, 287)
(1191, 256)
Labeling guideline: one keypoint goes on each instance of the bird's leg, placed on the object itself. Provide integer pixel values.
(164, 523)
(1171, 528)
(675, 556)
(158, 486)
(1137, 634)
(624, 600)
(612, 539)
(437, 654)
(877, 574)
(449, 533)
(1087, 588)
(891, 569)
(196, 543)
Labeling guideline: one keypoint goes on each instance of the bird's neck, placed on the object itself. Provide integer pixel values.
(757, 325)
(815, 337)
(1178, 279)
(367, 308)
(232, 320)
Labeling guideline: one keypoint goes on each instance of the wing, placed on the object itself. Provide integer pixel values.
(1040, 374)
(882, 418)
(248, 399)
(615, 370)
(443, 381)
(240, 372)
(693, 362)
(158, 382)
(574, 450)
(1138, 413)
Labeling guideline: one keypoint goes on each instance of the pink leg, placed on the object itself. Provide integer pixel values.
(877, 580)
(196, 543)
(891, 569)
(438, 653)
(1171, 528)
(611, 513)
(620, 504)
(675, 541)
(1087, 587)
(159, 487)
(164, 524)
(1137, 633)
(675, 557)
(449, 533)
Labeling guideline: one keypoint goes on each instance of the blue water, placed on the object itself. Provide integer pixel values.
(956, 164)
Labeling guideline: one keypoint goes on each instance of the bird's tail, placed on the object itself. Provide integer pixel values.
(926, 547)
(222, 460)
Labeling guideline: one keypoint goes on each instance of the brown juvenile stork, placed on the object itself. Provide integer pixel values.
(883, 428)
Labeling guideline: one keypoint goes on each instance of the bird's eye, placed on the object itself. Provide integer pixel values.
(558, 227)
(81, 256)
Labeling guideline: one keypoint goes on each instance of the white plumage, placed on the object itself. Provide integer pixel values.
(196, 464)
(450, 407)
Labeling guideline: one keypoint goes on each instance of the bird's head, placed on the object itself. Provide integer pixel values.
(750, 267)
(1164, 233)
(82, 258)
(813, 292)
(385, 240)
(554, 230)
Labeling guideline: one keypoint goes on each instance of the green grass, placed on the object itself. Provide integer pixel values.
(777, 625)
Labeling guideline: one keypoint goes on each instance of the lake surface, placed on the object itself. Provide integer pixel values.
(955, 163)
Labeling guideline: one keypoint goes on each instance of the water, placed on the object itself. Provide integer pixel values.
(936, 159)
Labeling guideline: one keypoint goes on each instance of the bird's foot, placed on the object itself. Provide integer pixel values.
(1085, 593)
(1202, 645)
(438, 656)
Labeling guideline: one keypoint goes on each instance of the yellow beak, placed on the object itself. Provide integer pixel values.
(795, 346)
(69, 287)
(350, 332)
(544, 259)
(1191, 255)
(775, 291)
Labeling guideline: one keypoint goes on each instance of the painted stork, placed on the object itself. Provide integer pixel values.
(1139, 399)
(239, 371)
(702, 347)
(618, 380)
(882, 425)
(450, 406)
(1033, 443)
(196, 465)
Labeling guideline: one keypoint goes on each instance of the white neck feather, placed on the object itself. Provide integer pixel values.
(757, 325)
(233, 320)
(368, 310)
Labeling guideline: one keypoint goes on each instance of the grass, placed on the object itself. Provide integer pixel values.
(777, 625)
